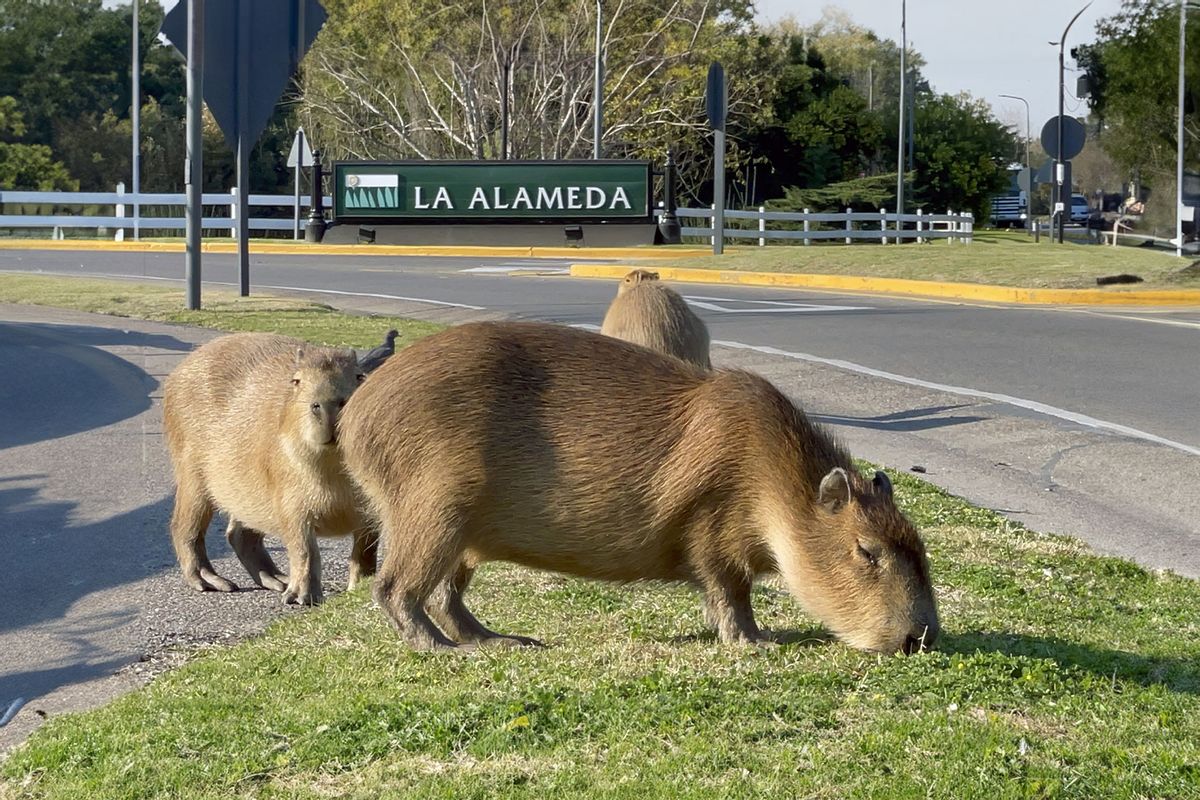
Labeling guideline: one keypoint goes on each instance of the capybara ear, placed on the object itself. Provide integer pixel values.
(299, 356)
(353, 356)
(651, 276)
(834, 493)
(883, 483)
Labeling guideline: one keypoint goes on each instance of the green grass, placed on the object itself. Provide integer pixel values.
(1059, 674)
(1002, 259)
(222, 310)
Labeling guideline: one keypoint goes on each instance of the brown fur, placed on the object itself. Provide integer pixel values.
(250, 422)
(648, 313)
(563, 450)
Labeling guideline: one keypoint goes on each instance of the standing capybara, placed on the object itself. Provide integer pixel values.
(648, 313)
(564, 450)
(251, 426)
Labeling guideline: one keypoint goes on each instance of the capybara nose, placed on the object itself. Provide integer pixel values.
(911, 645)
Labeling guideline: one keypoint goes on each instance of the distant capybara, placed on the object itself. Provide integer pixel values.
(250, 422)
(648, 313)
(563, 450)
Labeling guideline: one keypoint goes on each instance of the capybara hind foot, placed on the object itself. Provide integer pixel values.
(205, 579)
(508, 640)
(248, 545)
(446, 608)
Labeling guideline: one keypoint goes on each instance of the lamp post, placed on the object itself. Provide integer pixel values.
(1058, 160)
(136, 115)
(1028, 169)
(598, 89)
(900, 140)
(1183, 7)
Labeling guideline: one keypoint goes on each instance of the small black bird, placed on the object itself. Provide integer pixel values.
(371, 360)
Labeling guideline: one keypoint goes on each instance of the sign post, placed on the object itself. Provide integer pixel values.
(717, 105)
(299, 157)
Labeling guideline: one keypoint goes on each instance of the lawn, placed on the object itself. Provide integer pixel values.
(1001, 259)
(1060, 673)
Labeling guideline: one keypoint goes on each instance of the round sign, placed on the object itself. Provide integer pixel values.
(1073, 137)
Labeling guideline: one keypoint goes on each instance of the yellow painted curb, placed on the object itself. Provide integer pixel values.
(956, 291)
(261, 247)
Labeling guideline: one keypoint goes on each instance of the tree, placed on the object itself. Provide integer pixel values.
(30, 167)
(1133, 71)
(960, 153)
(429, 79)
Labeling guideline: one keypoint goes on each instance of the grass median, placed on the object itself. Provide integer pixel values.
(998, 259)
(223, 310)
(1060, 673)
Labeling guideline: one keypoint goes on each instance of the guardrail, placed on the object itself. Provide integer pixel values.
(851, 225)
(128, 212)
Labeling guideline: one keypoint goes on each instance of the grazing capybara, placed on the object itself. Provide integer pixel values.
(564, 450)
(250, 422)
(648, 313)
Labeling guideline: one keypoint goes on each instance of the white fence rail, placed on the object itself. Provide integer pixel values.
(60, 210)
(851, 225)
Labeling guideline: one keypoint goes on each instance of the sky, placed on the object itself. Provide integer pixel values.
(985, 48)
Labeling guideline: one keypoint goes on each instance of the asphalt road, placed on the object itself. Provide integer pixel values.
(1070, 421)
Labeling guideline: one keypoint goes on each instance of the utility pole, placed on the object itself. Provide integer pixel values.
(1183, 4)
(598, 89)
(900, 140)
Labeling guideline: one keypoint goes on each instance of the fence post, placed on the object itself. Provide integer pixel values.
(920, 226)
(762, 225)
(951, 226)
(883, 226)
(848, 213)
(970, 226)
(807, 241)
(120, 234)
(233, 204)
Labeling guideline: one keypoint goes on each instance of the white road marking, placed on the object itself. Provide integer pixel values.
(771, 306)
(519, 266)
(305, 289)
(1006, 399)
(996, 397)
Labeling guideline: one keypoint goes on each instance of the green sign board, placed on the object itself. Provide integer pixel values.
(485, 191)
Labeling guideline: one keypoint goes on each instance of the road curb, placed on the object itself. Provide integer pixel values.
(260, 247)
(901, 286)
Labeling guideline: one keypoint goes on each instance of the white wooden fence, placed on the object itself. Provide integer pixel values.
(61, 210)
(849, 226)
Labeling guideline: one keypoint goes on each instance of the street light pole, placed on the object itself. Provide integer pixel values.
(136, 115)
(1183, 4)
(1028, 168)
(598, 89)
(1060, 168)
(900, 139)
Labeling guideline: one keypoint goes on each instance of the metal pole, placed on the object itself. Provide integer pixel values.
(243, 149)
(900, 144)
(136, 114)
(1059, 169)
(598, 89)
(299, 166)
(719, 192)
(504, 111)
(1179, 134)
(193, 173)
(1028, 168)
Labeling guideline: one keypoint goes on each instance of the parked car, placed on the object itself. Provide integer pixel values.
(1079, 208)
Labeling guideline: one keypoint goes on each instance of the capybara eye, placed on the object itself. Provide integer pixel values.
(316, 408)
(868, 555)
